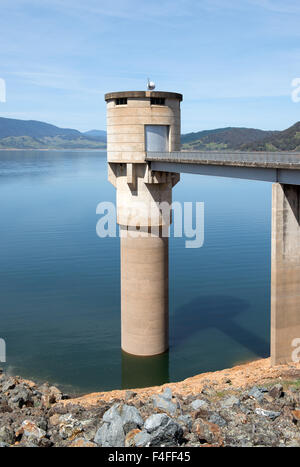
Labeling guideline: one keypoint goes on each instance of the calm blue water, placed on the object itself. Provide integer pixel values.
(59, 282)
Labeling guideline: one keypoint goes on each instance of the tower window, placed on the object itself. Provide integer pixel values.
(121, 101)
(157, 101)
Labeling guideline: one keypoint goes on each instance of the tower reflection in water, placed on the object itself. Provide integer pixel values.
(139, 372)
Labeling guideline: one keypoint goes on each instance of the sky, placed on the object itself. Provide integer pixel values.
(233, 60)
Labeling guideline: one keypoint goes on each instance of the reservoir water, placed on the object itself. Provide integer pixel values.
(60, 282)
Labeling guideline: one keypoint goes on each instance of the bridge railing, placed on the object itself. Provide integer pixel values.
(261, 158)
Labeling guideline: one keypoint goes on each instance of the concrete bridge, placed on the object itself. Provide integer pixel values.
(144, 163)
(276, 167)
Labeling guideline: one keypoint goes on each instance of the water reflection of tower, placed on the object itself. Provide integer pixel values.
(144, 371)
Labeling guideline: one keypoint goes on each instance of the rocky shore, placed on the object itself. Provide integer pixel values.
(248, 405)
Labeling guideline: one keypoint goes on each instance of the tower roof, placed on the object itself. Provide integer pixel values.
(143, 94)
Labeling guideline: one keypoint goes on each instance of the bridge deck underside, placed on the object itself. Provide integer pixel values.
(281, 167)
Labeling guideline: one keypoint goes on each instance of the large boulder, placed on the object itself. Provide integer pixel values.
(131, 418)
(111, 432)
(163, 430)
(164, 404)
(156, 421)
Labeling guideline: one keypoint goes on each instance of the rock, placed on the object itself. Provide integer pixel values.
(82, 443)
(276, 391)
(167, 394)
(257, 393)
(111, 434)
(111, 413)
(199, 404)
(69, 427)
(296, 416)
(9, 384)
(186, 420)
(167, 435)
(164, 404)
(31, 431)
(264, 436)
(89, 428)
(248, 407)
(230, 402)
(142, 439)
(267, 413)
(50, 395)
(207, 432)
(131, 415)
(5, 408)
(60, 409)
(239, 419)
(192, 439)
(129, 395)
(217, 420)
(101, 435)
(54, 419)
(20, 397)
(7, 435)
(116, 436)
(256, 417)
(156, 421)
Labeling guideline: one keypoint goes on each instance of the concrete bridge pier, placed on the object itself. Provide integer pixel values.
(144, 260)
(285, 288)
(137, 122)
(144, 294)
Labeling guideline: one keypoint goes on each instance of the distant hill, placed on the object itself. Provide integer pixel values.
(99, 135)
(287, 140)
(31, 134)
(224, 138)
(12, 127)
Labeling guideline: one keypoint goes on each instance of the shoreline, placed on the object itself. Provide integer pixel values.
(252, 404)
(240, 376)
(57, 150)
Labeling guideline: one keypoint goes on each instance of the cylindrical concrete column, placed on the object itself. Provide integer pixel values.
(137, 122)
(285, 284)
(144, 295)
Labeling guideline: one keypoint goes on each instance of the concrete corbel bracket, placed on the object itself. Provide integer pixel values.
(175, 178)
(131, 175)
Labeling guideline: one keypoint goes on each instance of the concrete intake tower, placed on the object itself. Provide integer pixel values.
(139, 122)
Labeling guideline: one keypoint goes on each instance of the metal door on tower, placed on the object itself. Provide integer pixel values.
(157, 138)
